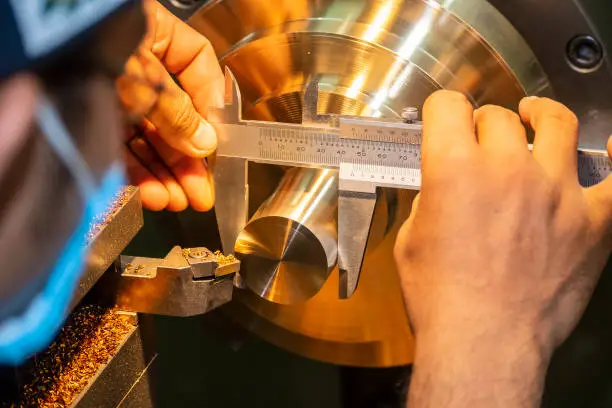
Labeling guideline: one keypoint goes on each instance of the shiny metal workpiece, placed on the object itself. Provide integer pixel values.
(186, 282)
(289, 246)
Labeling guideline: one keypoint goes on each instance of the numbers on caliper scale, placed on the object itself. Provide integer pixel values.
(298, 146)
(326, 148)
(382, 132)
(382, 153)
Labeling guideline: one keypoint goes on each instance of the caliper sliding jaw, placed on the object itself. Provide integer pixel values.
(355, 207)
(355, 213)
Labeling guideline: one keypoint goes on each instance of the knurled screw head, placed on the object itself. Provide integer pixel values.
(410, 114)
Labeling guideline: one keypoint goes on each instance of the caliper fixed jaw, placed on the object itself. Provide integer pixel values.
(230, 173)
(187, 282)
(231, 112)
(355, 213)
(232, 199)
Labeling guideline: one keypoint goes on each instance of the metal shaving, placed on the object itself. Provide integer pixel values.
(224, 259)
(101, 220)
(85, 343)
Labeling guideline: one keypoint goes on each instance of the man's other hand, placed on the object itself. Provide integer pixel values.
(502, 251)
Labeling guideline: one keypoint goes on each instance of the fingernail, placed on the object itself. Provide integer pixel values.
(530, 98)
(204, 139)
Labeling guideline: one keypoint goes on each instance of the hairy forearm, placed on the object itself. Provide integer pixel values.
(480, 373)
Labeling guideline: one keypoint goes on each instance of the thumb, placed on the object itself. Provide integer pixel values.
(415, 207)
(600, 197)
(404, 231)
(173, 114)
(413, 211)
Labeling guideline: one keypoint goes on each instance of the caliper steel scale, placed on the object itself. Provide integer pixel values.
(368, 152)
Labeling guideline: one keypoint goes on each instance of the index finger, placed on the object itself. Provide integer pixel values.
(186, 54)
(448, 127)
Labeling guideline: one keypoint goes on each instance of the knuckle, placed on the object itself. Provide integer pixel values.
(555, 111)
(458, 154)
(445, 96)
(205, 43)
(415, 202)
(551, 190)
(438, 172)
(514, 163)
(489, 110)
(398, 250)
(494, 112)
(403, 248)
(184, 121)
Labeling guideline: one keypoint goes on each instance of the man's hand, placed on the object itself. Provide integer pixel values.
(165, 156)
(501, 253)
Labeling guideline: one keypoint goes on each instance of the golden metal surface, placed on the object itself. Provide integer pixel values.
(374, 58)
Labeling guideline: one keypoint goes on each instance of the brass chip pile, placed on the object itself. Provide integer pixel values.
(102, 219)
(224, 259)
(85, 343)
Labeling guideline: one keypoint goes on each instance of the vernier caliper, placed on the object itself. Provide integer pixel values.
(369, 153)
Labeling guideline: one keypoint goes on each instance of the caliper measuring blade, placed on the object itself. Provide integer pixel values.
(355, 212)
(232, 200)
